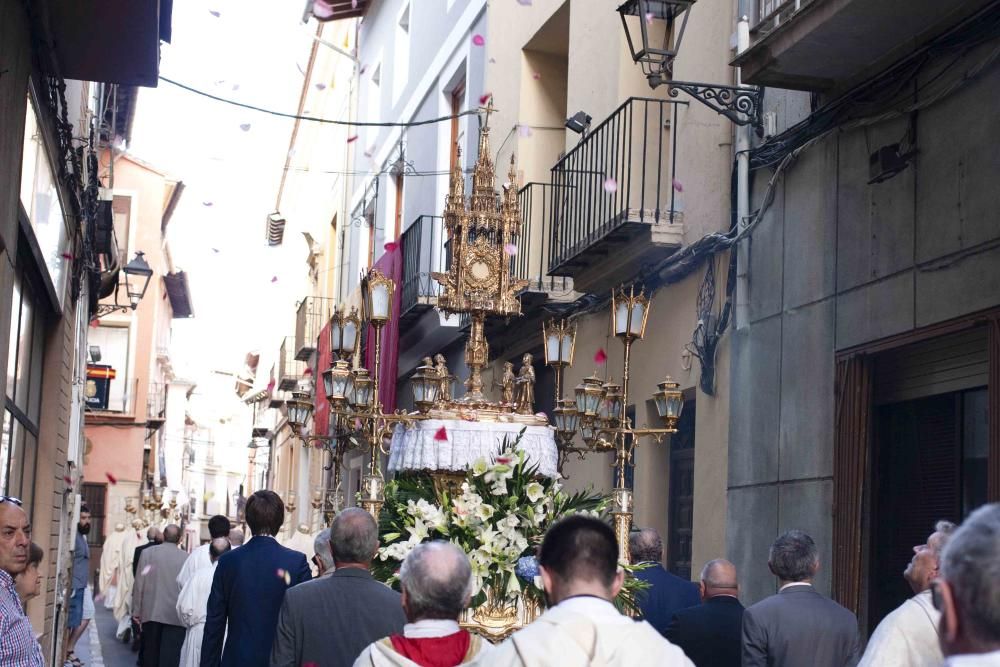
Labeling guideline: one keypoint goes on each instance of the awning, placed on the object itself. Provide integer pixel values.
(179, 294)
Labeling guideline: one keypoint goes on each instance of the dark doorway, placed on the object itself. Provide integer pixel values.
(929, 464)
(681, 508)
(95, 498)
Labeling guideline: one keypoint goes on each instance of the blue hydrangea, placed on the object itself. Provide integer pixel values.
(527, 568)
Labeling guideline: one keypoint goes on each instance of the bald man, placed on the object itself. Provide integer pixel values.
(154, 600)
(17, 641)
(710, 633)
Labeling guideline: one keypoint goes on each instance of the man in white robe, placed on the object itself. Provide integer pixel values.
(580, 574)
(908, 637)
(192, 604)
(123, 593)
(111, 556)
(302, 542)
(436, 582)
(218, 526)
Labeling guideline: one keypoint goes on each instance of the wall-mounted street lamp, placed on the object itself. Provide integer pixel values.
(740, 104)
(137, 274)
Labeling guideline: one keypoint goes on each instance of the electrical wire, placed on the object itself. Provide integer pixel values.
(329, 121)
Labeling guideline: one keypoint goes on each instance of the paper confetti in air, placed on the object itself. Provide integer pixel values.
(600, 356)
(523, 131)
(351, 139)
(678, 186)
(307, 371)
(610, 185)
(478, 40)
(283, 574)
(441, 435)
(146, 570)
(111, 478)
(215, 250)
(484, 98)
(245, 127)
(510, 249)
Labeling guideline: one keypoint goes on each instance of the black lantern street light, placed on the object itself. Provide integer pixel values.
(740, 104)
(137, 276)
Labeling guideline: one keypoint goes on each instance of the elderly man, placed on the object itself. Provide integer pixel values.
(436, 579)
(908, 636)
(18, 647)
(236, 537)
(667, 593)
(968, 591)
(710, 633)
(192, 604)
(323, 556)
(580, 574)
(798, 626)
(154, 600)
(329, 622)
(218, 526)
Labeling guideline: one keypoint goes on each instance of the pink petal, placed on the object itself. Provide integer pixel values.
(523, 131)
(610, 185)
(111, 478)
(68, 480)
(536, 76)
(478, 40)
(245, 127)
(146, 570)
(270, 385)
(206, 203)
(67, 255)
(649, 18)
(322, 9)
(215, 13)
(321, 86)
(678, 186)
(441, 435)
(484, 98)
(600, 356)
(351, 139)
(307, 371)
(391, 246)
(95, 323)
(354, 4)
(510, 249)
(274, 279)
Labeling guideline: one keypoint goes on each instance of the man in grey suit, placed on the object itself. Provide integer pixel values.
(798, 626)
(329, 621)
(154, 601)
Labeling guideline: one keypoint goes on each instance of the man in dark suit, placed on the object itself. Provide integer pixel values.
(155, 537)
(330, 621)
(667, 593)
(709, 634)
(248, 588)
(798, 626)
(154, 600)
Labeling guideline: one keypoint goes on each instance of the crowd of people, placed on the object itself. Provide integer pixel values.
(257, 604)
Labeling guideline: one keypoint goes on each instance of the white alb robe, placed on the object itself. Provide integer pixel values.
(198, 560)
(382, 654)
(123, 592)
(304, 543)
(586, 632)
(111, 557)
(977, 660)
(192, 607)
(907, 637)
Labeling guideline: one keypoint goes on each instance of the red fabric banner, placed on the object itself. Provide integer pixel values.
(390, 264)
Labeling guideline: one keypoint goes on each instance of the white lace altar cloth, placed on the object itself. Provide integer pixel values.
(416, 448)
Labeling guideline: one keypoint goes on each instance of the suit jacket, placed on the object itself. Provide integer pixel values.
(138, 552)
(154, 594)
(330, 621)
(798, 626)
(666, 595)
(247, 590)
(710, 633)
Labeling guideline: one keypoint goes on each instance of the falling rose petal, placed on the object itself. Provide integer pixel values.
(649, 18)
(600, 356)
(493, 61)
(68, 480)
(510, 249)
(67, 255)
(245, 127)
(536, 76)
(207, 203)
(215, 250)
(274, 279)
(307, 371)
(215, 13)
(354, 4)
(111, 478)
(322, 9)
(371, 151)
(283, 574)
(146, 570)
(164, 297)
(391, 246)
(357, 424)
(351, 139)
(320, 86)
(270, 385)
(523, 131)
(610, 185)
(524, 3)
(362, 70)
(484, 98)
(98, 597)
(441, 435)
(236, 87)
(478, 40)
(678, 186)
(95, 323)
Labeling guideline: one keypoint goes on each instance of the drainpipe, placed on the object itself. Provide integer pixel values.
(742, 146)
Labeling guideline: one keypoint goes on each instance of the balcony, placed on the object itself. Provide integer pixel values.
(613, 196)
(265, 421)
(424, 252)
(290, 369)
(156, 404)
(826, 45)
(531, 262)
(313, 314)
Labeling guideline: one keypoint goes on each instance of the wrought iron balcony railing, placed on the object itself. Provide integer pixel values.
(290, 369)
(771, 13)
(622, 175)
(424, 252)
(532, 259)
(313, 314)
(156, 403)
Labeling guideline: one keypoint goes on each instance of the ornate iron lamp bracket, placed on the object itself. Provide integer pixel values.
(108, 308)
(740, 104)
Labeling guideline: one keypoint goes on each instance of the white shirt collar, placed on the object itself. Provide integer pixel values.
(794, 583)
(594, 608)
(430, 628)
(976, 660)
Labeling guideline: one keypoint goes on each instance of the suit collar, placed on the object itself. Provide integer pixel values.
(352, 572)
(797, 587)
(723, 599)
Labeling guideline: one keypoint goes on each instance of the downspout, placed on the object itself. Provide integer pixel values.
(742, 147)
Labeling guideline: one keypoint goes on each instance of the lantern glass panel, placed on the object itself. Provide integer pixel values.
(350, 336)
(560, 419)
(593, 401)
(566, 349)
(363, 390)
(380, 301)
(328, 382)
(661, 403)
(572, 419)
(674, 405)
(336, 335)
(581, 398)
(637, 318)
(621, 316)
(552, 348)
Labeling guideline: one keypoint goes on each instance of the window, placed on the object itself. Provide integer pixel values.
(95, 497)
(401, 60)
(398, 226)
(23, 392)
(108, 382)
(457, 99)
(681, 493)
(121, 208)
(374, 106)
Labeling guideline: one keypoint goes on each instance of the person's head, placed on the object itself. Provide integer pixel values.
(323, 556)
(236, 537)
(645, 546)
(968, 591)
(265, 513)
(15, 536)
(218, 526)
(83, 525)
(154, 534)
(718, 577)
(579, 556)
(923, 567)
(217, 547)
(172, 534)
(28, 584)
(794, 557)
(436, 582)
(353, 538)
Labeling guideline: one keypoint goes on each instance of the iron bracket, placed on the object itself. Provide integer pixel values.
(740, 104)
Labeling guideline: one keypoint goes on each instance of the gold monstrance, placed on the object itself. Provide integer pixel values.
(481, 230)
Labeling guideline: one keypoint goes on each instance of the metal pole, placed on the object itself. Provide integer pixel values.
(742, 146)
